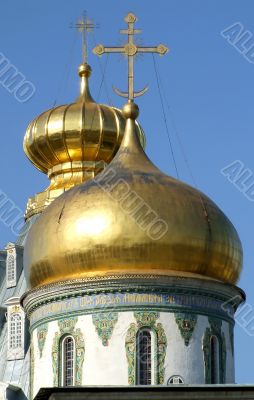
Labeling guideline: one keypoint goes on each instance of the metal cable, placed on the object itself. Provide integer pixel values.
(164, 117)
(102, 72)
(66, 75)
(171, 115)
(202, 200)
(100, 88)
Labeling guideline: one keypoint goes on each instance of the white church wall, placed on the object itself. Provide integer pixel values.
(43, 364)
(108, 364)
(105, 365)
(182, 360)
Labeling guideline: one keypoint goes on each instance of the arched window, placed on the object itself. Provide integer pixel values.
(11, 269)
(68, 361)
(144, 362)
(15, 331)
(215, 359)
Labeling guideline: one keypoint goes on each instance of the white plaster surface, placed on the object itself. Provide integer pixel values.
(107, 365)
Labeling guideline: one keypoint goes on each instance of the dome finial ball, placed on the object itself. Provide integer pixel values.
(84, 70)
(130, 110)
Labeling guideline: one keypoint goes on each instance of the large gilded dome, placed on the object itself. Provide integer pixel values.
(132, 219)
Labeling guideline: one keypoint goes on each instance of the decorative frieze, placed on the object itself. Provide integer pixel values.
(215, 324)
(89, 303)
(146, 318)
(104, 323)
(186, 324)
(42, 331)
(67, 325)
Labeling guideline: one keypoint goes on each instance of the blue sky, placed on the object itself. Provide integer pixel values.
(208, 84)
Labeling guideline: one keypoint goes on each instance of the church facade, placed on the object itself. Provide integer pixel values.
(122, 275)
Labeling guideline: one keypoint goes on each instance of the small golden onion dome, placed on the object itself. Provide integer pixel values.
(132, 219)
(73, 142)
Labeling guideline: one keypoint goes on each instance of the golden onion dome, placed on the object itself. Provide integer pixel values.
(132, 219)
(73, 142)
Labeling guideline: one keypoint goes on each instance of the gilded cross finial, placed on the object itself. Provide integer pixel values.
(130, 49)
(84, 26)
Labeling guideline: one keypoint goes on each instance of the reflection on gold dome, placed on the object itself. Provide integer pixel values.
(132, 219)
(73, 142)
(96, 225)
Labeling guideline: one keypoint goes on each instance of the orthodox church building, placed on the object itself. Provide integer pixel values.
(122, 276)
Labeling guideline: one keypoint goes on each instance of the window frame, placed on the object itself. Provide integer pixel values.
(15, 331)
(215, 359)
(16, 326)
(153, 355)
(63, 361)
(11, 268)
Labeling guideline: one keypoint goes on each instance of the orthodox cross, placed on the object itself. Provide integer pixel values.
(84, 26)
(130, 49)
